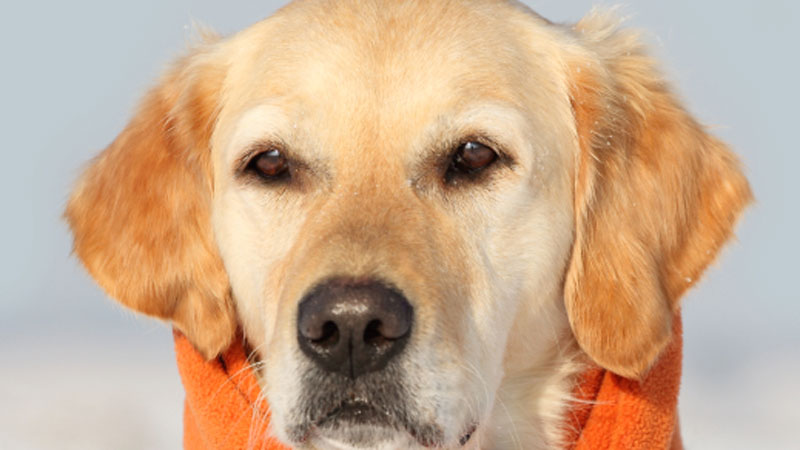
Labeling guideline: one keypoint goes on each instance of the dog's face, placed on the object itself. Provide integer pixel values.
(402, 205)
(416, 167)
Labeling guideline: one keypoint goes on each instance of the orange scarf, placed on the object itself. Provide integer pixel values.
(223, 409)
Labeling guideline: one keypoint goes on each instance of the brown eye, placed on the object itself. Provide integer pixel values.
(470, 158)
(271, 164)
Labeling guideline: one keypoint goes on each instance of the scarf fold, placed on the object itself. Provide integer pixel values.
(223, 409)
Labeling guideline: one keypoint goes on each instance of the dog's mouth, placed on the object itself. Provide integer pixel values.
(371, 411)
(464, 439)
(364, 424)
(357, 412)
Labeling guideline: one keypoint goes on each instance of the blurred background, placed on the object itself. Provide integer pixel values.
(78, 372)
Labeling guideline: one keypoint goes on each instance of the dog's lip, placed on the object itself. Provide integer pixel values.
(466, 436)
(358, 411)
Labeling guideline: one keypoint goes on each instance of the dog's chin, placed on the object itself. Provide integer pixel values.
(358, 426)
(361, 435)
(355, 425)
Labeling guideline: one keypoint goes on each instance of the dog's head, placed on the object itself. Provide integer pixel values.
(400, 202)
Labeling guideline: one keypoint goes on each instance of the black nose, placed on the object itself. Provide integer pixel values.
(353, 328)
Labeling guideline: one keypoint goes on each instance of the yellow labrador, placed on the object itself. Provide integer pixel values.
(426, 215)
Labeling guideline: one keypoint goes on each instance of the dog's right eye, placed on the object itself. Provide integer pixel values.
(469, 160)
(472, 157)
(271, 165)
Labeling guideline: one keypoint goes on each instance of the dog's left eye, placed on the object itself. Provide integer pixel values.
(270, 164)
(471, 158)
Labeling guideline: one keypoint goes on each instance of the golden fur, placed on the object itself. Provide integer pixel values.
(655, 198)
(613, 203)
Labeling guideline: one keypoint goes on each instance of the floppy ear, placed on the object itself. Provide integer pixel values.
(655, 198)
(140, 213)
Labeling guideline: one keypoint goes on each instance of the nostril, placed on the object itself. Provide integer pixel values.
(373, 335)
(329, 336)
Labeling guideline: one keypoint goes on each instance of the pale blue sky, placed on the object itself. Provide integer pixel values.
(73, 71)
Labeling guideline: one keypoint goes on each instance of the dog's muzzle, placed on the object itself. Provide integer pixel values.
(353, 333)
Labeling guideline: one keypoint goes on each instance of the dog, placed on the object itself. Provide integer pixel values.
(426, 218)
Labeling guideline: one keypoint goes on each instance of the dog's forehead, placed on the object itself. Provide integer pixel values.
(378, 71)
